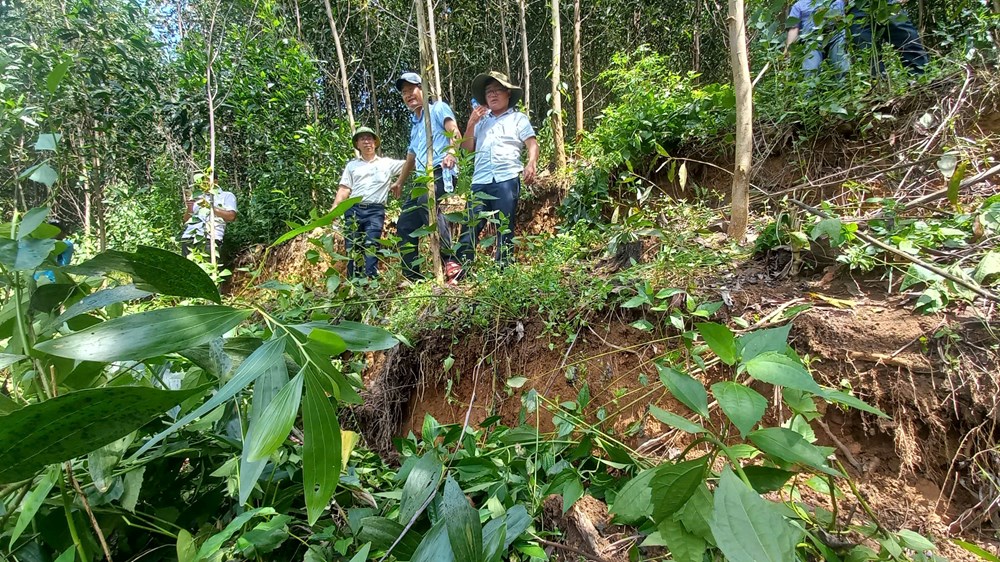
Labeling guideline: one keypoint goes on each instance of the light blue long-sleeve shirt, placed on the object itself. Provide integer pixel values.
(440, 113)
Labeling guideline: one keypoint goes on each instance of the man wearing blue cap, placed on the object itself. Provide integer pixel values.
(367, 177)
(444, 137)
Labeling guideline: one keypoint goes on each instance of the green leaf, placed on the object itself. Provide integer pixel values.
(435, 546)
(187, 550)
(26, 254)
(68, 555)
(8, 359)
(988, 268)
(572, 491)
(977, 550)
(420, 485)
(772, 339)
(215, 542)
(97, 301)
(47, 141)
(382, 532)
(252, 367)
(101, 462)
(686, 389)
(325, 220)
(766, 479)
(56, 75)
(276, 421)
(673, 420)
(789, 446)
(516, 521)
(133, 485)
(31, 221)
(462, 521)
(840, 397)
(321, 447)
(33, 500)
(747, 528)
(362, 337)
(742, 405)
(683, 545)
(154, 270)
(273, 379)
(955, 183)
(674, 484)
(635, 500)
(264, 537)
(779, 369)
(45, 175)
(75, 423)
(147, 334)
(720, 339)
(914, 541)
(362, 554)
(831, 228)
(696, 515)
(326, 342)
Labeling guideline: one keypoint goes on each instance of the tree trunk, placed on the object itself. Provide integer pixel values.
(696, 39)
(557, 124)
(503, 35)
(210, 97)
(344, 84)
(526, 79)
(744, 120)
(434, 50)
(427, 63)
(577, 69)
(298, 21)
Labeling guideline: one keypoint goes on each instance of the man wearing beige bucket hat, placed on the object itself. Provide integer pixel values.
(498, 134)
(368, 177)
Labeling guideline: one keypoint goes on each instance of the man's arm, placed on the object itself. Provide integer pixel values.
(343, 192)
(530, 167)
(469, 140)
(793, 35)
(225, 214)
(408, 167)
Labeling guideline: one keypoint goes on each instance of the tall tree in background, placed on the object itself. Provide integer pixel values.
(577, 69)
(211, 91)
(344, 83)
(428, 66)
(432, 43)
(744, 120)
(526, 79)
(557, 124)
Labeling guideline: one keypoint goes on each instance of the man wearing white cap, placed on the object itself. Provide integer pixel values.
(414, 215)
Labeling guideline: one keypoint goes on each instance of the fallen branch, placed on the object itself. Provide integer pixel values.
(572, 549)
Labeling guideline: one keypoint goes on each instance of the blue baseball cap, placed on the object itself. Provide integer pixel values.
(408, 77)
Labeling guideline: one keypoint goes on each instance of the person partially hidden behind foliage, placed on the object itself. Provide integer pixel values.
(415, 215)
(207, 215)
(817, 23)
(498, 133)
(367, 177)
(875, 21)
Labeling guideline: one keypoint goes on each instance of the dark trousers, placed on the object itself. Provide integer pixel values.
(362, 229)
(415, 217)
(873, 27)
(502, 197)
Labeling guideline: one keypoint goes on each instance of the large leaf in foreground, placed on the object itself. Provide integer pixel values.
(276, 421)
(154, 270)
(635, 500)
(267, 387)
(147, 334)
(780, 369)
(743, 405)
(75, 424)
(97, 300)
(321, 462)
(747, 528)
(465, 533)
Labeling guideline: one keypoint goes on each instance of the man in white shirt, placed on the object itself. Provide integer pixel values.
(206, 217)
(498, 133)
(369, 178)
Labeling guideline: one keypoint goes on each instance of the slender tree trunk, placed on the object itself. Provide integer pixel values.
(180, 19)
(344, 84)
(744, 120)
(210, 97)
(578, 69)
(447, 57)
(696, 39)
(526, 79)
(427, 63)
(376, 115)
(298, 21)
(557, 124)
(503, 35)
(434, 50)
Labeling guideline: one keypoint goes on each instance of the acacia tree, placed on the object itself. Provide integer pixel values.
(428, 64)
(557, 124)
(744, 120)
(526, 79)
(344, 82)
(577, 69)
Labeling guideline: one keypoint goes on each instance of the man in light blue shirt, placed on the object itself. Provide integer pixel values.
(816, 21)
(498, 133)
(415, 215)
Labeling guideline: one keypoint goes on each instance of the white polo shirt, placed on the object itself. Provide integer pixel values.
(371, 180)
(201, 215)
(499, 141)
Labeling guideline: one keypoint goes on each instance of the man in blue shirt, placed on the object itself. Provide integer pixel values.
(874, 21)
(444, 137)
(498, 133)
(816, 22)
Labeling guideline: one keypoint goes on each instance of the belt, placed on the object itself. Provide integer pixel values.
(369, 205)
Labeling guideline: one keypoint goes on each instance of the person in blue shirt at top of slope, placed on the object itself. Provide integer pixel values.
(498, 133)
(815, 21)
(415, 215)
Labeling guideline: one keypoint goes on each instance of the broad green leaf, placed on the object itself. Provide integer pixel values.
(382, 532)
(696, 515)
(45, 175)
(977, 550)
(789, 446)
(914, 541)
(326, 342)
(25, 254)
(572, 491)
(133, 485)
(215, 542)
(254, 366)
(674, 484)
(683, 545)
(273, 379)
(988, 268)
(420, 485)
(780, 369)
(516, 521)
(758, 341)
(321, 447)
(435, 546)
(846, 399)
(31, 220)
(766, 479)
(7, 405)
(635, 500)
(325, 220)
(187, 550)
(264, 537)
(358, 336)
(747, 528)
(742, 405)
(33, 500)
(462, 521)
(147, 334)
(686, 389)
(8, 359)
(101, 462)
(720, 339)
(154, 270)
(96, 301)
(68, 555)
(362, 554)
(75, 423)
(276, 420)
(47, 141)
(56, 75)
